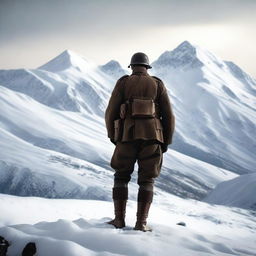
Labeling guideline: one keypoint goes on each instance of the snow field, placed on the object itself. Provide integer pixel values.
(77, 227)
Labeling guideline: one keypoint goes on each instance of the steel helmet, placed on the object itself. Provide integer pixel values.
(139, 58)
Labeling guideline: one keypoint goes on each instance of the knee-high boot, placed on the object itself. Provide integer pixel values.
(143, 205)
(120, 196)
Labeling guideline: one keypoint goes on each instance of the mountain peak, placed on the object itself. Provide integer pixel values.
(185, 45)
(112, 64)
(113, 68)
(66, 60)
(68, 54)
(184, 55)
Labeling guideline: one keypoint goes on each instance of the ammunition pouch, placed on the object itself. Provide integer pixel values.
(139, 108)
(143, 108)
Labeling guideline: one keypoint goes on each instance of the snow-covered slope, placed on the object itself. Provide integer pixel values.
(238, 192)
(77, 227)
(72, 148)
(215, 106)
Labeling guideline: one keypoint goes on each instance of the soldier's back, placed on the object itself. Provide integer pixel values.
(140, 85)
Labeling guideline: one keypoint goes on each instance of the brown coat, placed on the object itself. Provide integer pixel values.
(141, 84)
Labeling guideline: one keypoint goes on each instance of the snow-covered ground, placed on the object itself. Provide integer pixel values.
(70, 227)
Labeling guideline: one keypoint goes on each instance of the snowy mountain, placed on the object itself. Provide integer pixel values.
(56, 114)
(68, 82)
(54, 144)
(215, 106)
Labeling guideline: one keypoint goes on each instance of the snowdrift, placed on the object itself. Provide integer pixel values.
(238, 192)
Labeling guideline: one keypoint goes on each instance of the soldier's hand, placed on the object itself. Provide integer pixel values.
(164, 147)
(113, 141)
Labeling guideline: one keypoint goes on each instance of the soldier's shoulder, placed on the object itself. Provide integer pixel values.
(122, 78)
(157, 78)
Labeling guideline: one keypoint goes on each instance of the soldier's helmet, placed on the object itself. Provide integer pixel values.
(140, 58)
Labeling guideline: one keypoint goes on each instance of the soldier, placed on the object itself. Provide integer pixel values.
(140, 122)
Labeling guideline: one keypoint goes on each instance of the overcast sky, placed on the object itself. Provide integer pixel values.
(34, 31)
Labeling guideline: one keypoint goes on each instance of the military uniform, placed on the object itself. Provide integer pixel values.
(142, 139)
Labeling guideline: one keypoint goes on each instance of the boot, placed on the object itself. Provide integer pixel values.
(4, 244)
(29, 249)
(143, 205)
(118, 221)
(120, 196)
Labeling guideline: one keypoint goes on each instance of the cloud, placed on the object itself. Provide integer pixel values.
(104, 30)
(20, 18)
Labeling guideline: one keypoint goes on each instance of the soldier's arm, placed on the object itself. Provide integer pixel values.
(168, 118)
(113, 108)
